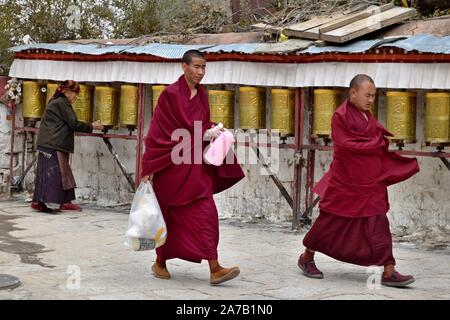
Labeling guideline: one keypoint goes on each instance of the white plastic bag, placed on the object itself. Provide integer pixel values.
(146, 226)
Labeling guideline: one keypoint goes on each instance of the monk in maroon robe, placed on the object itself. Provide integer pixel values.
(353, 225)
(184, 184)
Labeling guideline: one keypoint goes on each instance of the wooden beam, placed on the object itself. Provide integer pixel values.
(336, 22)
(267, 27)
(320, 43)
(368, 25)
(354, 17)
(295, 29)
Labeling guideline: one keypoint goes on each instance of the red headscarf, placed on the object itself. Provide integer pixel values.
(68, 85)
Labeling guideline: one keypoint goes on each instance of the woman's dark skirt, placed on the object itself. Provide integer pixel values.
(363, 241)
(54, 181)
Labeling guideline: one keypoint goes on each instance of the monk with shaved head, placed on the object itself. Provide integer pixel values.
(184, 185)
(353, 226)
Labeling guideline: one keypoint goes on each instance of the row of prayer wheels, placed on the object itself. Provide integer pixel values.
(113, 107)
(252, 108)
(400, 114)
(116, 107)
(252, 111)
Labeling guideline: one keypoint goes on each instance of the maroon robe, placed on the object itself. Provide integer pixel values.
(352, 225)
(185, 191)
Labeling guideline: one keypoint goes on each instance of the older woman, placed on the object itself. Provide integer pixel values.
(54, 179)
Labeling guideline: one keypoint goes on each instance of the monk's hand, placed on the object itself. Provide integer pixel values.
(147, 179)
(214, 132)
(98, 125)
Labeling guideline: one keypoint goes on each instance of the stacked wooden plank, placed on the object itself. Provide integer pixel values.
(343, 27)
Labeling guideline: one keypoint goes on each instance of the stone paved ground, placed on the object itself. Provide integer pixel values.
(48, 251)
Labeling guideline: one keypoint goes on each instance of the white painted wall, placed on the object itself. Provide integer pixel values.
(4, 147)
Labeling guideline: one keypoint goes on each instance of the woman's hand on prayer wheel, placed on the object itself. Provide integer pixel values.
(98, 125)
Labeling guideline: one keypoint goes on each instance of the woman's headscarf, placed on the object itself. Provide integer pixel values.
(68, 85)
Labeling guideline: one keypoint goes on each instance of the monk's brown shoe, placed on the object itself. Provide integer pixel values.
(397, 280)
(224, 275)
(159, 272)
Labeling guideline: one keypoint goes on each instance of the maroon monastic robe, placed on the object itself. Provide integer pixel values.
(184, 191)
(353, 226)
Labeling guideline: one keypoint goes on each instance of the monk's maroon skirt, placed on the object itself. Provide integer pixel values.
(363, 241)
(193, 231)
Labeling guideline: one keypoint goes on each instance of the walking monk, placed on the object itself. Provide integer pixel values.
(353, 225)
(185, 187)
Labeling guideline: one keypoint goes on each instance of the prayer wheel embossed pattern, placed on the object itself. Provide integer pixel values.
(128, 105)
(83, 105)
(374, 108)
(401, 115)
(107, 105)
(51, 89)
(326, 101)
(437, 118)
(34, 100)
(283, 111)
(156, 92)
(252, 108)
(221, 103)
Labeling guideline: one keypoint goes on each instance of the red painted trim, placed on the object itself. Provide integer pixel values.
(90, 58)
(382, 56)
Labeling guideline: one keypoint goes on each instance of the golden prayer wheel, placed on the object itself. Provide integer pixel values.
(107, 106)
(83, 105)
(326, 101)
(51, 89)
(437, 118)
(283, 111)
(128, 105)
(221, 103)
(401, 115)
(34, 100)
(374, 108)
(252, 108)
(156, 92)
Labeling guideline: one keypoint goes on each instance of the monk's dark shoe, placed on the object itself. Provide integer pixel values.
(224, 275)
(309, 268)
(397, 280)
(160, 272)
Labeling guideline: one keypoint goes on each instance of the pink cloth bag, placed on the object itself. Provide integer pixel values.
(219, 148)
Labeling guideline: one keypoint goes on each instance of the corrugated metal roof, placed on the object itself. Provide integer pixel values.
(291, 45)
(358, 46)
(354, 47)
(247, 48)
(169, 51)
(423, 43)
(67, 48)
